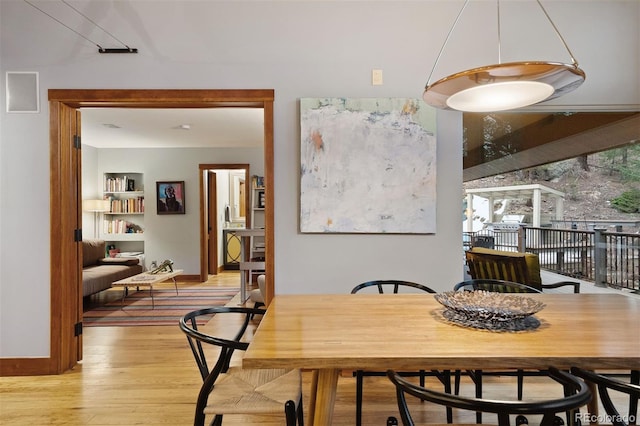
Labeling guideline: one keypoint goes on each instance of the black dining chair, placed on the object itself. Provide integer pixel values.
(496, 286)
(396, 287)
(577, 394)
(606, 384)
(231, 389)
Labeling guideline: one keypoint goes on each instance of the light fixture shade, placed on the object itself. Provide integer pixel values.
(96, 205)
(502, 87)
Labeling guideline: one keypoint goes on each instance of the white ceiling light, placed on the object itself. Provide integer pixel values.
(503, 86)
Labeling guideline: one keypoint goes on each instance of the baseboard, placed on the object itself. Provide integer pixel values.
(25, 367)
(190, 278)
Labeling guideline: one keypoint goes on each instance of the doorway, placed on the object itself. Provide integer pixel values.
(66, 277)
(225, 209)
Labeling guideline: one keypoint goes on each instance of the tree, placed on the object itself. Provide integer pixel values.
(628, 201)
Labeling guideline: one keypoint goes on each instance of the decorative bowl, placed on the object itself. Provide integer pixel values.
(489, 307)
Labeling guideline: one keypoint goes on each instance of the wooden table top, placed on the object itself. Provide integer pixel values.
(373, 331)
(145, 278)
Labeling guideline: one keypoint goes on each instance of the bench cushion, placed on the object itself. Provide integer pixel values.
(92, 250)
(99, 277)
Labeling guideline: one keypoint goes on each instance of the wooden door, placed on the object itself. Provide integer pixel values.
(212, 227)
(66, 261)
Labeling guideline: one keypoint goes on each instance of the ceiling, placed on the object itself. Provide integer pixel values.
(171, 128)
(513, 141)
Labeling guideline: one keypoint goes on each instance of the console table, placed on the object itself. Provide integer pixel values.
(247, 266)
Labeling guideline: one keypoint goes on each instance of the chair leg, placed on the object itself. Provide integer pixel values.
(290, 413)
(447, 389)
(476, 376)
(633, 402)
(300, 412)
(445, 378)
(359, 378)
(456, 386)
(256, 306)
(520, 384)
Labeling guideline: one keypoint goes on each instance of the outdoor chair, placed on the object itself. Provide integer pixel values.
(230, 389)
(395, 287)
(512, 266)
(605, 384)
(576, 392)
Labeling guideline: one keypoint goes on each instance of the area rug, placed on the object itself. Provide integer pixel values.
(169, 308)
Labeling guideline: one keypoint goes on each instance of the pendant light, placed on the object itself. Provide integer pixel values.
(503, 86)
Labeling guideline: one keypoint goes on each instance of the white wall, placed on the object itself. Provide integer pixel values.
(175, 237)
(300, 49)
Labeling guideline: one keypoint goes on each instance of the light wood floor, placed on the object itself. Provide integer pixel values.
(147, 375)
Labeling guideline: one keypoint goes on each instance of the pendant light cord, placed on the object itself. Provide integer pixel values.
(61, 23)
(446, 41)
(71, 29)
(573, 59)
(499, 39)
(455, 23)
(94, 23)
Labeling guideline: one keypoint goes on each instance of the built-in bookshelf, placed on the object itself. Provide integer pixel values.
(257, 216)
(124, 221)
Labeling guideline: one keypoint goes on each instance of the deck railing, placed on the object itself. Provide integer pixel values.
(608, 259)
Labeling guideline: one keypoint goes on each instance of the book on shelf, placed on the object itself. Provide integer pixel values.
(127, 205)
(119, 184)
(257, 181)
(119, 226)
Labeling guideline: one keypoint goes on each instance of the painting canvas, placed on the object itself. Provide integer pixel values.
(170, 197)
(368, 165)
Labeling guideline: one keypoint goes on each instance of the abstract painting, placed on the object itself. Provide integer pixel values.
(368, 165)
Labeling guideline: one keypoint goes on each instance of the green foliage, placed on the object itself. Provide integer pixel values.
(625, 161)
(628, 201)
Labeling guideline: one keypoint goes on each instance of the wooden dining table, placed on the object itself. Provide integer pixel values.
(330, 333)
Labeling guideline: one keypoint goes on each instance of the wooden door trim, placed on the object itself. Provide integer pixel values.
(63, 264)
(203, 202)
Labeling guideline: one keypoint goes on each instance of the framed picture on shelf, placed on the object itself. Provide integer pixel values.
(260, 199)
(170, 197)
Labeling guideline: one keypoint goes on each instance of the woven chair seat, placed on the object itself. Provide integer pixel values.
(248, 391)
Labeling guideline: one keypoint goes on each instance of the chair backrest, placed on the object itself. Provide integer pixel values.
(605, 384)
(189, 325)
(517, 267)
(496, 286)
(576, 391)
(391, 286)
(196, 338)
